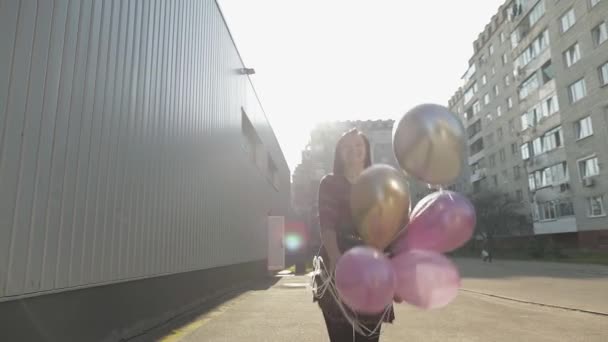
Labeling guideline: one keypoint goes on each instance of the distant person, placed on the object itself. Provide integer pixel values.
(486, 251)
(485, 255)
(338, 232)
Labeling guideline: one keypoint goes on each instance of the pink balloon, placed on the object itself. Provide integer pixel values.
(425, 279)
(441, 221)
(365, 280)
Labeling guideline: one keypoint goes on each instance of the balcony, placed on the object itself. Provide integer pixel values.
(478, 175)
(543, 125)
(476, 157)
(546, 159)
(539, 60)
(561, 225)
(556, 191)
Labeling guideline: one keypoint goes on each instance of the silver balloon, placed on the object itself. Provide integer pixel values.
(429, 143)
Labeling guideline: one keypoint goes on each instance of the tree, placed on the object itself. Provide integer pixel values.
(499, 214)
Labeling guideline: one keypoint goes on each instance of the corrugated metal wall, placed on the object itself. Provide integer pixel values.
(121, 151)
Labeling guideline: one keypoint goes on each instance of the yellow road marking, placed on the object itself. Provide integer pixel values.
(180, 333)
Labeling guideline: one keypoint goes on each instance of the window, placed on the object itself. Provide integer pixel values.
(552, 139)
(492, 161)
(525, 151)
(538, 45)
(583, 128)
(503, 155)
(537, 146)
(531, 182)
(469, 73)
(516, 172)
(528, 86)
(484, 79)
(577, 90)
(511, 126)
(498, 111)
(476, 147)
(505, 59)
(502, 37)
(505, 176)
(588, 167)
(496, 92)
(507, 81)
(552, 210)
(519, 195)
(495, 180)
(547, 211)
(486, 99)
(469, 113)
(537, 12)
(559, 173)
(549, 105)
(491, 49)
(525, 122)
(473, 129)
(547, 72)
(603, 71)
(476, 107)
(552, 175)
(531, 117)
(595, 206)
(513, 148)
(568, 20)
(600, 33)
(572, 55)
(499, 133)
(468, 94)
(493, 70)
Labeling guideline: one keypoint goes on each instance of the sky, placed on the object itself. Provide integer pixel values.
(334, 60)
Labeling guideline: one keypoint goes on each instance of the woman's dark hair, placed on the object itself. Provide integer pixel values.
(339, 163)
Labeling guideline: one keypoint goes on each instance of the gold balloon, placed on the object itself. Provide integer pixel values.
(380, 204)
(429, 143)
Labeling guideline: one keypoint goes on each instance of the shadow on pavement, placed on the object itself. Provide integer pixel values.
(165, 329)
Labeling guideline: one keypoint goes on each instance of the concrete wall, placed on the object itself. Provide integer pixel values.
(122, 155)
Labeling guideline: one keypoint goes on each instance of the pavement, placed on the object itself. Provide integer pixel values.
(502, 301)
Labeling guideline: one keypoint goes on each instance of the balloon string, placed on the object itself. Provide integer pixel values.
(327, 286)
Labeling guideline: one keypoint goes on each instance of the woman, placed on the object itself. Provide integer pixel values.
(338, 233)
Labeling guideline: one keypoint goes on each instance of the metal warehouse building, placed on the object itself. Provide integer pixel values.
(137, 166)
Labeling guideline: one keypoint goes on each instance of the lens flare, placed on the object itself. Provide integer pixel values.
(293, 242)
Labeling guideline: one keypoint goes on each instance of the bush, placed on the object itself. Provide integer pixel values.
(536, 248)
(555, 249)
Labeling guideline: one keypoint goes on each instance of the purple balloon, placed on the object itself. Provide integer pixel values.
(441, 221)
(365, 280)
(425, 279)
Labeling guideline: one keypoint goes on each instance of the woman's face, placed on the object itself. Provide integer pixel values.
(352, 151)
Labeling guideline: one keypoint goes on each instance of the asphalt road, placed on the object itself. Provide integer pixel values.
(503, 301)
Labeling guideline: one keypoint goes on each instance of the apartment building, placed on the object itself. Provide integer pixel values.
(534, 102)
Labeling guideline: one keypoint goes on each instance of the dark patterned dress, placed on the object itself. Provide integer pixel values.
(334, 213)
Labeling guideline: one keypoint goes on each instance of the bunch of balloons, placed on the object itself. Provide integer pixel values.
(428, 142)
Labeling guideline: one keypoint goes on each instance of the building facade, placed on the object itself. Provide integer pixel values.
(137, 166)
(535, 105)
